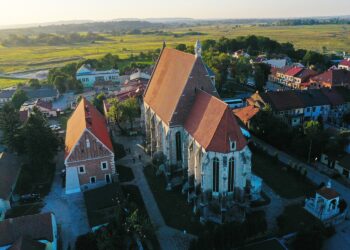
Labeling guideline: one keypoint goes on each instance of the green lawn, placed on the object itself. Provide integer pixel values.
(172, 204)
(295, 218)
(125, 173)
(285, 183)
(315, 37)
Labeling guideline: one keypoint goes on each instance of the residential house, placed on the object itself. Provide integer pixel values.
(338, 104)
(240, 53)
(344, 64)
(193, 128)
(246, 114)
(293, 77)
(331, 78)
(293, 106)
(89, 76)
(45, 93)
(44, 107)
(139, 75)
(28, 232)
(341, 164)
(89, 156)
(6, 95)
(10, 168)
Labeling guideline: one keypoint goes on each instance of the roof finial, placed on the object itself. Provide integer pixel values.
(164, 44)
(198, 49)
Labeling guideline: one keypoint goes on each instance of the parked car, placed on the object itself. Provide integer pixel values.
(55, 127)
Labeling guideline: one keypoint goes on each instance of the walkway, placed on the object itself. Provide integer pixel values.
(169, 238)
(69, 210)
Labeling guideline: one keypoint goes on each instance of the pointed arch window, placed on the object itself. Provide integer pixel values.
(231, 174)
(178, 146)
(216, 174)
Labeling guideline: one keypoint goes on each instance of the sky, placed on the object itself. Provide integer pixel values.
(37, 11)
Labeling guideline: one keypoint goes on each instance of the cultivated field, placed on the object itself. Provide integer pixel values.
(8, 82)
(335, 38)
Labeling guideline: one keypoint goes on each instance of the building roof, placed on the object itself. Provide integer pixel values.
(345, 161)
(86, 117)
(333, 77)
(26, 243)
(328, 193)
(43, 104)
(333, 96)
(282, 100)
(246, 113)
(43, 92)
(345, 62)
(212, 124)
(293, 71)
(312, 97)
(171, 90)
(305, 74)
(9, 168)
(7, 93)
(36, 227)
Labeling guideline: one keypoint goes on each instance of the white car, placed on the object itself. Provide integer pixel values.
(55, 127)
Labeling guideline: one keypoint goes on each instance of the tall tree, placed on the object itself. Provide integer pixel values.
(98, 102)
(9, 124)
(40, 142)
(311, 130)
(18, 98)
(131, 110)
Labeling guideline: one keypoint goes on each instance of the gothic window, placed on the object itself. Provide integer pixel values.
(87, 143)
(178, 146)
(231, 174)
(215, 175)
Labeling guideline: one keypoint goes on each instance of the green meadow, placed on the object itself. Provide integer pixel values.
(331, 38)
(8, 82)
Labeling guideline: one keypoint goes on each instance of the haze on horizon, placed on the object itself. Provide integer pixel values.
(16, 12)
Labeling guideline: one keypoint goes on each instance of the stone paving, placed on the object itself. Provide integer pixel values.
(69, 210)
(169, 238)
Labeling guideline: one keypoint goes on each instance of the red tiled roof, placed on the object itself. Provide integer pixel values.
(293, 71)
(345, 62)
(43, 104)
(305, 74)
(333, 96)
(333, 76)
(36, 227)
(328, 193)
(212, 124)
(246, 113)
(86, 116)
(24, 115)
(171, 90)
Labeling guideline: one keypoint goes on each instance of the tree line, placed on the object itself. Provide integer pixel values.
(14, 40)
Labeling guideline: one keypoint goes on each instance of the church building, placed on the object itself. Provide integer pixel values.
(195, 130)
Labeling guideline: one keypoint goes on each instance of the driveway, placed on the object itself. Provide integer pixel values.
(69, 210)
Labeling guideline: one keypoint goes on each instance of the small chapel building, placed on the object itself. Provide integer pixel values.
(195, 130)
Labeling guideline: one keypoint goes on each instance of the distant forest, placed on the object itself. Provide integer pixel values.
(295, 22)
(14, 40)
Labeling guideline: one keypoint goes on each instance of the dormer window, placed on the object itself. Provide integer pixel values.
(233, 145)
(87, 143)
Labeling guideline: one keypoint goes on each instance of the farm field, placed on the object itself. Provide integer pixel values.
(333, 38)
(8, 82)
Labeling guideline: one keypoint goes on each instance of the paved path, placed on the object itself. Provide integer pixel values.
(169, 238)
(69, 210)
(341, 240)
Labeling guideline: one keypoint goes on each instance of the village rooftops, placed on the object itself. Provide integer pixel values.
(328, 193)
(86, 69)
(212, 124)
(345, 62)
(36, 227)
(333, 77)
(246, 114)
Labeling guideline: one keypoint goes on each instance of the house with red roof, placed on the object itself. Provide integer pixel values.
(291, 76)
(195, 130)
(331, 78)
(344, 64)
(89, 155)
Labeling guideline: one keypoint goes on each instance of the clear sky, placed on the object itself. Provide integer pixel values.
(34, 11)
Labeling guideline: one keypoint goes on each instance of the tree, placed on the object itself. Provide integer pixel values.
(241, 69)
(130, 110)
(98, 102)
(181, 47)
(311, 130)
(18, 98)
(34, 83)
(115, 113)
(261, 75)
(59, 83)
(40, 143)
(10, 125)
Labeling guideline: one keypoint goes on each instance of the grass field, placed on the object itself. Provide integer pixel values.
(12, 59)
(8, 82)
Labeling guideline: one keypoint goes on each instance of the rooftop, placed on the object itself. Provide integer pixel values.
(9, 169)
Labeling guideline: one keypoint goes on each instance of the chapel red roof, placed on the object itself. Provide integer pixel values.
(212, 124)
(86, 117)
(345, 62)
